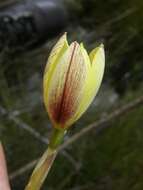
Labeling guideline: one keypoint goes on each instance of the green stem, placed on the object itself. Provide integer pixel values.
(43, 167)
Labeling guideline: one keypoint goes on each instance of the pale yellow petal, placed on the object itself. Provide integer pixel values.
(57, 51)
(94, 79)
(85, 55)
(66, 86)
(94, 51)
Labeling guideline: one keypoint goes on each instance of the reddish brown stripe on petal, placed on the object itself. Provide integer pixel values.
(65, 97)
(62, 112)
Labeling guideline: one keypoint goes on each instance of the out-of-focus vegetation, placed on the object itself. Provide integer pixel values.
(118, 24)
(113, 159)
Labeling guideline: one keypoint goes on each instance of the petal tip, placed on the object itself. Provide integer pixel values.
(74, 44)
(81, 45)
(65, 35)
(101, 45)
(63, 39)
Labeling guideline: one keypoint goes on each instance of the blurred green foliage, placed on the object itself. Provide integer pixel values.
(119, 24)
(113, 159)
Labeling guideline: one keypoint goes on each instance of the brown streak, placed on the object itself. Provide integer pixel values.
(65, 86)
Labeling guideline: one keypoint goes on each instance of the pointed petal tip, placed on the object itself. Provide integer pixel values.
(81, 45)
(100, 47)
(74, 43)
(65, 35)
(99, 50)
(64, 38)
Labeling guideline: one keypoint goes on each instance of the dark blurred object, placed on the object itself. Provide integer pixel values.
(26, 24)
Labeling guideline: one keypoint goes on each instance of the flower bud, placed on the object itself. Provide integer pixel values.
(71, 81)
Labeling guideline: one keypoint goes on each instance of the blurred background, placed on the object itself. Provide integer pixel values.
(106, 158)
